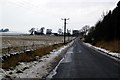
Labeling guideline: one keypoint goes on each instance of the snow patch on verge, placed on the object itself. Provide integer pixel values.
(65, 59)
(52, 73)
(113, 55)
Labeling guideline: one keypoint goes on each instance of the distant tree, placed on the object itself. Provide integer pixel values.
(1, 30)
(90, 36)
(84, 30)
(6, 30)
(75, 33)
(42, 30)
(32, 30)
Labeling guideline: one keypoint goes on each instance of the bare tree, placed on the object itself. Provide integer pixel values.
(84, 30)
(32, 30)
(42, 30)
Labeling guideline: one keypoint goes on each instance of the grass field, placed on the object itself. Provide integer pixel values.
(29, 56)
(29, 40)
(43, 45)
(11, 44)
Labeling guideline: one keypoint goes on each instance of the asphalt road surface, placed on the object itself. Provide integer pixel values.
(81, 61)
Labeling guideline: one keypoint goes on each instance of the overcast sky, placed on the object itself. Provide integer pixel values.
(22, 15)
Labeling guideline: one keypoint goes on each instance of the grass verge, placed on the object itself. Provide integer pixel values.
(28, 56)
(113, 46)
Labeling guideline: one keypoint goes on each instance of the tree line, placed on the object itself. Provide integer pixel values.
(4, 30)
(34, 31)
(107, 29)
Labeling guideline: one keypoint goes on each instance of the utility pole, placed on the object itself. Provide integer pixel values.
(65, 27)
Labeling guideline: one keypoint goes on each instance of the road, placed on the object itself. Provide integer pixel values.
(81, 61)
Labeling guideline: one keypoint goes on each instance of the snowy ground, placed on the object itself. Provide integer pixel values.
(113, 55)
(35, 69)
